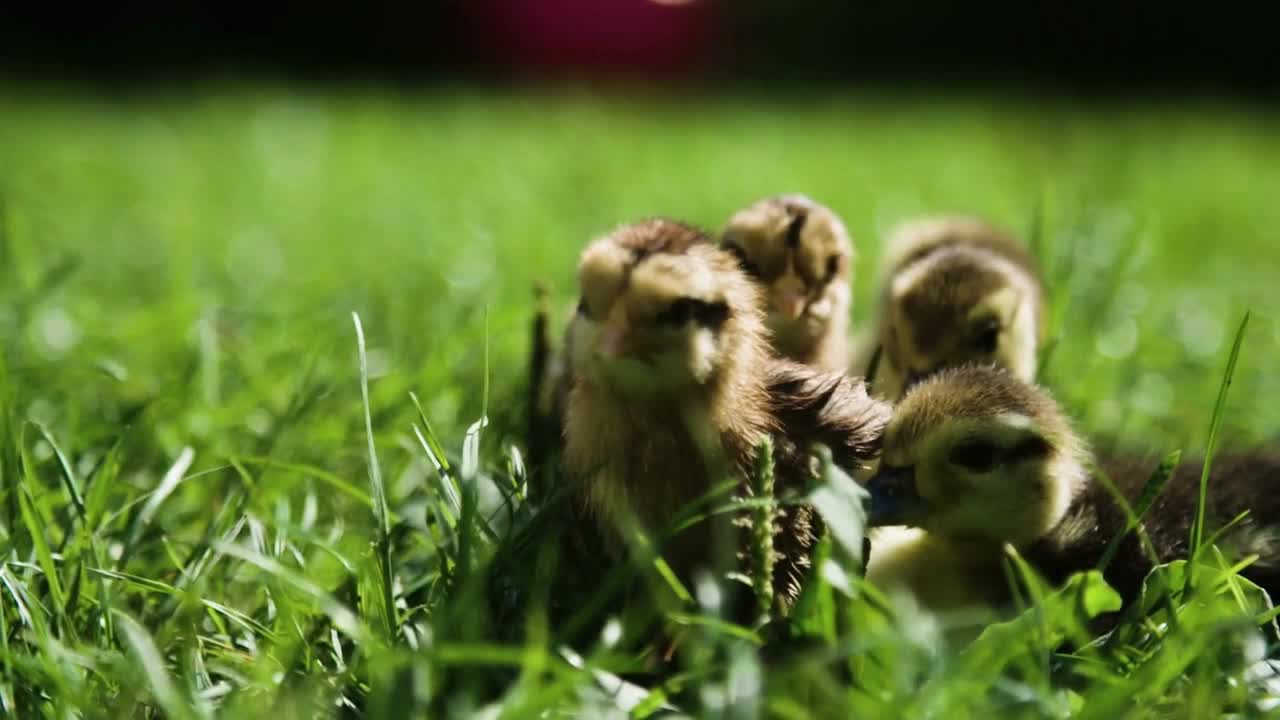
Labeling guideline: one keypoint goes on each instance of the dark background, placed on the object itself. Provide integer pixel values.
(1080, 48)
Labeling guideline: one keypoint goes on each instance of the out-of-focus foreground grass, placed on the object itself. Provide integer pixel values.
(187, 520)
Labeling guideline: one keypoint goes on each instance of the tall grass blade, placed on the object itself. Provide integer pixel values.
(1215, 424)
(151, 662)
(37, 528)
(9, 462)
(172, 477)
(1150, 491)
(382, 538)
(68, 475)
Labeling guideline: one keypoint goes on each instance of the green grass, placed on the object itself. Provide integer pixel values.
(206, 513)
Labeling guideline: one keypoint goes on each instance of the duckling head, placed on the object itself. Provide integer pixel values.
(662, 311)
(961, 305)
(800, 252)
(975, 452)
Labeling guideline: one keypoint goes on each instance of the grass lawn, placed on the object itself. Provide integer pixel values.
(188, 519)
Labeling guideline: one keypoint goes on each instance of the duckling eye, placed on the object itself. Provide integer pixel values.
(833, 267)
(678, 313)
(987, 336)
(975, 456)
(582, 308)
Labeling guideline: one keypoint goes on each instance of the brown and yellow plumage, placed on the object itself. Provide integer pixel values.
(801, 254)
(673, 385)
(957, 290)
(975, 458)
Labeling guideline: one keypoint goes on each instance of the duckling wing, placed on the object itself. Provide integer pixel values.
(829, 408)
(1238, 483)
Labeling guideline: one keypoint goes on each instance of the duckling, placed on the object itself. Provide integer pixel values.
(957, 290)
(975, 457)
(801, 252)
(674, 386)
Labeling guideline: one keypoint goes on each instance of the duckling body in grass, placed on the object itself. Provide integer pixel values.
(802, 255)
(956, 290)
(673, 387)
(975, 458)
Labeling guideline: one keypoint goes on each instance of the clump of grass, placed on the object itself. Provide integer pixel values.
(212, 507)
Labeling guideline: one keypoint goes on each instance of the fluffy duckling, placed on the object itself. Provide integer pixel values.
(975, 458)
(957, 290)
(801, 253)
(674, 385)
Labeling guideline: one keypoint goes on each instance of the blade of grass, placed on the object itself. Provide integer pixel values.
(39, 539)
(382, 538)
(168, 484)
(1155, 484)
(333, 480)
(1215, 424)
(346, 621)
(68, 475)
(151, 662)
(452, 505)
(435, 450)
(155, 586)
(9, 461)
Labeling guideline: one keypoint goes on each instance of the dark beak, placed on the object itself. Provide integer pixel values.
(893, 496)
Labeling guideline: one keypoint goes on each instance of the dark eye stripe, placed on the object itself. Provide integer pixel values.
(743, 261)
(1030, 447)
(794, 229)
(988, 336)
(706, 314)
(976, 455)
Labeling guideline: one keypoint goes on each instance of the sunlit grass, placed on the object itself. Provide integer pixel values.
(218, 500)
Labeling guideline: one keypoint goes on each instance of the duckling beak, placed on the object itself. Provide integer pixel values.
(893, 496)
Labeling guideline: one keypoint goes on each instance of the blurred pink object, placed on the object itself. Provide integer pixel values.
(648, 37)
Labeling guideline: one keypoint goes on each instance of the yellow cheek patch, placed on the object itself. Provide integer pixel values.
(1004, 304)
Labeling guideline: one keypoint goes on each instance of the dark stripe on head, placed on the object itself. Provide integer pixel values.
(731, 245)
(795, 227)
(659, 235)
(654, 236)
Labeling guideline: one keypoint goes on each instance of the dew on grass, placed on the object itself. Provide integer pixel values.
(1131, 299)
(42, 411)
(57, 331)
(1108, 412)
(200, 424)
(379, 362)
(253, 257)
(612, 633)
(86, 463)
(1199, 328)
(708, 592)
(258, 422)
(1119, 339)
(1153, 394)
